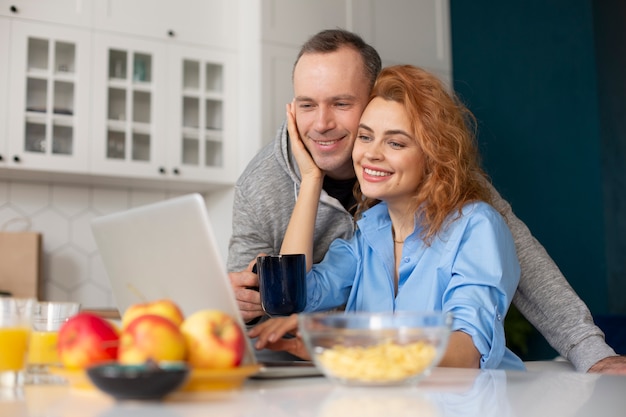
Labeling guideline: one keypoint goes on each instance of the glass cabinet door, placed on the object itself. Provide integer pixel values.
(50, 79)
(202, 112)
(50, 74)
(201, 126)
(128, 124)
(129, 99)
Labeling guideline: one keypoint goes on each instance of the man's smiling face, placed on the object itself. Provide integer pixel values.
(331, 91)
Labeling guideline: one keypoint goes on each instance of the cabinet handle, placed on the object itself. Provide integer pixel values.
(14, 9)
(176, 171)
(16, 159)
(171, 33)
(161, 170)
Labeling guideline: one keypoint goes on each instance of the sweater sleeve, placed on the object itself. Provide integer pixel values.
(249, 236)
(547, 300)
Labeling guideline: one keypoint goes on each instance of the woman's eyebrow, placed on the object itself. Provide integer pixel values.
(387, 132)
(397, 132)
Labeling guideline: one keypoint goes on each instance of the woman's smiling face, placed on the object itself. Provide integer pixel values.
(388, 161)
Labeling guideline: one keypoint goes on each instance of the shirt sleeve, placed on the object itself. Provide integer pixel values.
(485, 275)
(329, 282)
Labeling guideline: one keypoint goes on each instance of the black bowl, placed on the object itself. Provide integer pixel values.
(148, 381)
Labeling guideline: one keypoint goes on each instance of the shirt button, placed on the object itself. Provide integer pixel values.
(407, 260)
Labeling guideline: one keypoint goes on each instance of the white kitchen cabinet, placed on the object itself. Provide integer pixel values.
(163, 110)
(49, 81)
(291, 22)
(106, 105)
(408, 32)
(204, 22)
(128, 116)
(67, 12)
(202, 114)
(5, 44)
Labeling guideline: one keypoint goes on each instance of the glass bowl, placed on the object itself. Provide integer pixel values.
(375, 348)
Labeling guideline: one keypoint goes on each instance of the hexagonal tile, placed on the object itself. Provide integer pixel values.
(54, 227)
(80, 233)
(12, 220)
(67, 268)
(107, 200)
(98, 273)
(70, 200)
(4, 192)
(91, 296)
(53, 292)
(140, 198)
(29, 197)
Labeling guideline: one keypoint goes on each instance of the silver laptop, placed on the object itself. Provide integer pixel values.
(168, 250)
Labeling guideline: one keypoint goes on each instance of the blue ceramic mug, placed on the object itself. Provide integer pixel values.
(282, 283)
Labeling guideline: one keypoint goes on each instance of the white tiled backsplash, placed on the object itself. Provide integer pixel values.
(72, 269)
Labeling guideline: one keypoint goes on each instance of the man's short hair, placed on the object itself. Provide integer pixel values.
(331, 40)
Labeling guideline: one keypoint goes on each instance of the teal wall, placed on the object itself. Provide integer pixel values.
(610, 41)
(527, 70)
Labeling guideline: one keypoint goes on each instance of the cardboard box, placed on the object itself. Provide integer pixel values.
(20, 263)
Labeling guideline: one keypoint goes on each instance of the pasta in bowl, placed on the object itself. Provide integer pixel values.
(375, 348)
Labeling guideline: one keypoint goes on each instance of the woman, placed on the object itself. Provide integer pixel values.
(426, 239)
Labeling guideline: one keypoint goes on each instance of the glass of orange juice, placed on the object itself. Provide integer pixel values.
(15, 326)
(48, 317)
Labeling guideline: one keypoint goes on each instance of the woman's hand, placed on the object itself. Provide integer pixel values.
(301, 229)
(270, 334)
(308, 168)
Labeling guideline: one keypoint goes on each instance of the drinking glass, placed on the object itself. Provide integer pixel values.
(48, 317)
(15, 325)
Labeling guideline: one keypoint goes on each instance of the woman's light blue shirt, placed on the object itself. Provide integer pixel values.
(470, 270)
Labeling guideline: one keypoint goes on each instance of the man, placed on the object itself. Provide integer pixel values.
(333, 75)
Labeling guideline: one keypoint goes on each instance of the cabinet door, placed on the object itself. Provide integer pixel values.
(202, 100)
(420, 35)
(49, 111)
(128, 112)
(288, 22)
(206, 22)
(4, 87)
(69, 12)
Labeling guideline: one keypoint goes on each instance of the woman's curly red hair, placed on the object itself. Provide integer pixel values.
(445, 130)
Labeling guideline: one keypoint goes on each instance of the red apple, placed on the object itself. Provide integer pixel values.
(214, 340)
(86, 339)
(151, 337)
(165, 308)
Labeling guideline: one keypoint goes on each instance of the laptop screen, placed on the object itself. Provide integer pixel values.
(166, 250)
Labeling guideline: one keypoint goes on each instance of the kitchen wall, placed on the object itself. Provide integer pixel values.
(72, 269)
(610, 42)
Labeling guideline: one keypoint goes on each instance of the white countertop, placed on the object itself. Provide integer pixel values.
(550, 391)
